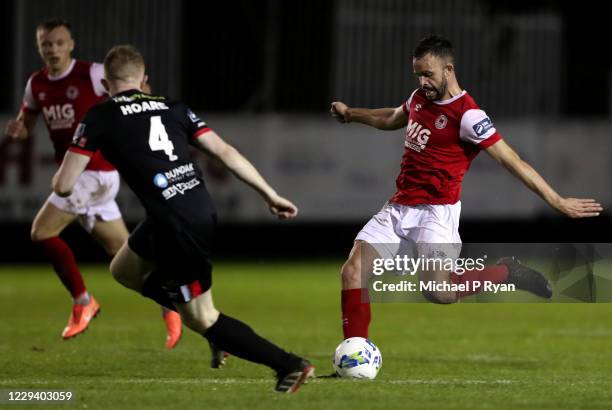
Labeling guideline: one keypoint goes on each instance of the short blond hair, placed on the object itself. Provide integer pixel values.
(124, 63)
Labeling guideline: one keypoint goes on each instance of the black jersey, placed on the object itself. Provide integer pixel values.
(147, 139)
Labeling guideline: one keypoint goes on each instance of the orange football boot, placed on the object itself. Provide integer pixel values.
(80, 317)
(174, 328)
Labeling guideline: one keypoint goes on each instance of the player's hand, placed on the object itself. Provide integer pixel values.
(339, 111)
(579, 207)
(16, 129)
(282, 208)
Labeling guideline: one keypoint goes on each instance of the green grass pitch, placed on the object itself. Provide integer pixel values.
(463, 356)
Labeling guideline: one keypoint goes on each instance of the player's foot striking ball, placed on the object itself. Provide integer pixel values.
(291, 380)
(167, 257)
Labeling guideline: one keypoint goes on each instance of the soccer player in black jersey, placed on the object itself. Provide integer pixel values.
(167, 257)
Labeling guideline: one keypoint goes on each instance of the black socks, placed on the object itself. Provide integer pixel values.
(240, 340)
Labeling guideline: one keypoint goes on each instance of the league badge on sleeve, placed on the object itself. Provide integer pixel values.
(483, 126)
(78, 133)
(192, 116)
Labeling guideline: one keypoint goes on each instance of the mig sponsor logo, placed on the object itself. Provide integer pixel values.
(59, 116)
(416, 136)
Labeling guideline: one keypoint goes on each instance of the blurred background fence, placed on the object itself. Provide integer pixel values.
(262, 74)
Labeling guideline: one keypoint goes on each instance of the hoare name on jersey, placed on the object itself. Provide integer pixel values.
(137, 106)
(416, 136)
(59, 116)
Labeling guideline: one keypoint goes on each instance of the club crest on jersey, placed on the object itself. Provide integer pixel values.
(416, 136)
(418, 107)
(42, 96)
(72, 92)
(441, 122)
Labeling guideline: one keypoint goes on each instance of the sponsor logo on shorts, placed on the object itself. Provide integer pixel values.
(483, 126)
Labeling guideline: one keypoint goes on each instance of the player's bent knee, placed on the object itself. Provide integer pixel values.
(199, 320)
(351, 274)
(123, 276)
(112, 247)
(37, 234)
(442, 298)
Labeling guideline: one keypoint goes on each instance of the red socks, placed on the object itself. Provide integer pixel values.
(64, 264)
(493, 273)
(355, 313)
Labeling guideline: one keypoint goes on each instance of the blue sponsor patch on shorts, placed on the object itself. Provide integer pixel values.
(483, 126)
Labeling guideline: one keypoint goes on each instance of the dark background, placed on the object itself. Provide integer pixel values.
(277, 56)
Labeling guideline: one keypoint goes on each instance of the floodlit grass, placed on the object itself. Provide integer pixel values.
(468, 355)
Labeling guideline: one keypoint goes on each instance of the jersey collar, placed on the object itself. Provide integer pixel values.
(450, 100)
(64, 74)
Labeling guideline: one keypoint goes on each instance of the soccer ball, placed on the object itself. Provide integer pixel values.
(357, 357)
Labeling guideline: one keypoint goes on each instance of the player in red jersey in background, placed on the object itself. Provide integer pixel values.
(64, 90)
(445, 130)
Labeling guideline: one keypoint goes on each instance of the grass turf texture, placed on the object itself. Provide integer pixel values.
(460, 356)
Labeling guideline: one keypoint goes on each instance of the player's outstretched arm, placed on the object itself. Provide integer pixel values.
(572, 207)
(72, 166)
(21, 127)
(213, 145)
(382, 118)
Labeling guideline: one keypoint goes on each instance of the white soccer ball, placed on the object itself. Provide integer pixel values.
(357, 357)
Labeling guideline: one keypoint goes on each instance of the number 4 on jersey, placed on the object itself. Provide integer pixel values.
(158, 138)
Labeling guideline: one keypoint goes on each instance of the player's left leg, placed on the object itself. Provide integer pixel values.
(132, 271)
(103, 220)
(437, 234)
(237, 338)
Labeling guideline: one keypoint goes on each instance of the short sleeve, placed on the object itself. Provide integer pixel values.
(193, 124)
(477, 128)
(87, 136)
(96, 73)
(406, 105)
(28, 102)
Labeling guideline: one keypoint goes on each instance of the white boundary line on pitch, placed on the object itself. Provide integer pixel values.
(234, 381)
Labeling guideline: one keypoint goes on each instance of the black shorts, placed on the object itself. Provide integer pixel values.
(181, 256)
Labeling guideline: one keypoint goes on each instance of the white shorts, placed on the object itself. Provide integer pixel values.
(92, 198)
(403, 229)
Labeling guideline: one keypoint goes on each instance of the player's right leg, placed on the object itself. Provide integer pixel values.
(48, 224)
(356, 313)
(377, 237)
(237, 338)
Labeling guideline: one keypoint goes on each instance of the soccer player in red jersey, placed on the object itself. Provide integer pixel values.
(63, 91)
(445, 130)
